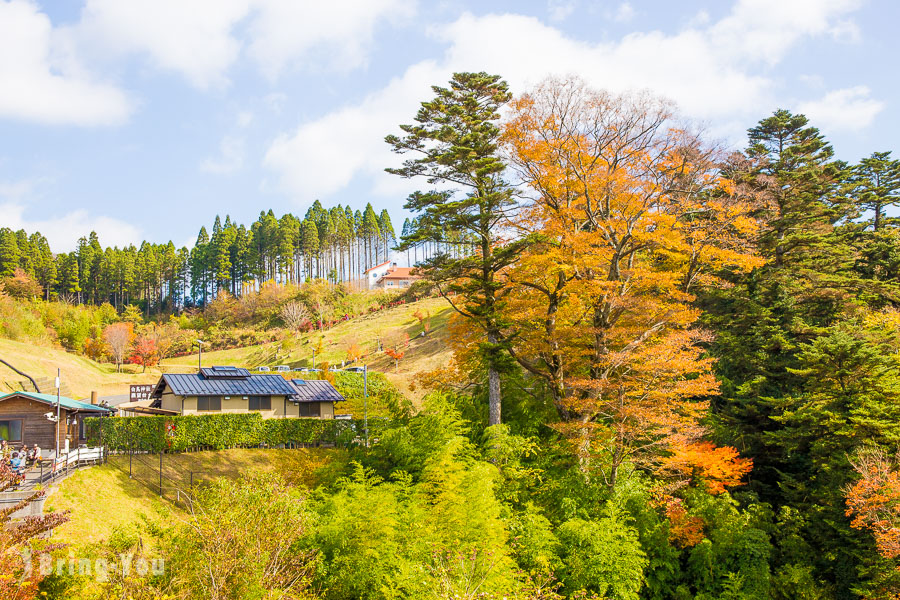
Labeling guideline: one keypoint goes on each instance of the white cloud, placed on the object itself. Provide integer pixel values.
(194, 39)
(244, 118)
(41, 83)
(559, 10)
(847, 109)
(203, 39)
(715, 72)
(10, 190)
(275, 102)
(332, 34)
(230, 159)
(624, 13)
(63, 230)
(766, 29)
(324, 155)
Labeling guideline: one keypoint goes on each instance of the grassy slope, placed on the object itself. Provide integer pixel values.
(423, 354)
(103, 498)
(80, 374)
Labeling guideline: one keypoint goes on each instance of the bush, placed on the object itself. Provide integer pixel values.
(179, 433)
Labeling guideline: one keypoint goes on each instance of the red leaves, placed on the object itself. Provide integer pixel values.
(146, 352)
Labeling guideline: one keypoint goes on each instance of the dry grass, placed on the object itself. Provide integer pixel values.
(80, 374)
(424, 353)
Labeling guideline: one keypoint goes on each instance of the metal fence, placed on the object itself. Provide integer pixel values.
(163, 473)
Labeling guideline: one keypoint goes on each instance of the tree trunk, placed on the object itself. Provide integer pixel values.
(494, 398)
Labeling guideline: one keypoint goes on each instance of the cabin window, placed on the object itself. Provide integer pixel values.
(309, 409)
(11, 430)
(209, 403)
(260, 403)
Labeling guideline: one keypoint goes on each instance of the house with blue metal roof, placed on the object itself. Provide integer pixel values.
(217, 390)
(29, 418)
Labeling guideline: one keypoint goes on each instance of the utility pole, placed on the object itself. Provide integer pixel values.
(366, 402)
(58, 372)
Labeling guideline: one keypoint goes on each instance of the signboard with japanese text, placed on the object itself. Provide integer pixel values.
(140, 392)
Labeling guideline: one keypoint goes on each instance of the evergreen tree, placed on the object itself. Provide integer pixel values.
(310, 242)
(67, 267)
(455, 142)
(796, 173)
(9, 252)
(878, 178)
(388, 237)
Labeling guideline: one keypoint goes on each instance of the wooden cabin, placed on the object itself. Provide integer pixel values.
(28, 418)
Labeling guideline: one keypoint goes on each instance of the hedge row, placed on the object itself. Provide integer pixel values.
(179, 433)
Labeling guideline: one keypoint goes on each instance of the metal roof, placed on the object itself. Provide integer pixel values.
(64, 402)
(224, 372)
(195, 384)
(315, 390)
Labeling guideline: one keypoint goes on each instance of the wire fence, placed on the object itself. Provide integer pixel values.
(165, 474)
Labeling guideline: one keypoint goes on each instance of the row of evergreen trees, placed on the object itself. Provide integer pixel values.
(336, 244)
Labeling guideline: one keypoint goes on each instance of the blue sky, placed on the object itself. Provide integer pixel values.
(143, 119)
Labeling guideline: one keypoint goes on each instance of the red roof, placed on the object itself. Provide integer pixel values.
(401, 273)
(377, 266)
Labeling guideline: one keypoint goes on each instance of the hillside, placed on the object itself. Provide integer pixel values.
(80, 375)
(103, 499)
(424, 353)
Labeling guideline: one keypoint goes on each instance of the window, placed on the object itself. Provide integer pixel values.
(11, 430)
(309, 409)
(209, 403)
(260, 403)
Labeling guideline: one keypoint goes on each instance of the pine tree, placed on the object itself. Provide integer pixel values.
(455, 142)
(878, 178)
(796, 172)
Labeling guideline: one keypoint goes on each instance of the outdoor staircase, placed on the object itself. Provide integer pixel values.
(47, 385)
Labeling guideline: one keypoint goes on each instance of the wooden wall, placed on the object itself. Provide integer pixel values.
(36, 429)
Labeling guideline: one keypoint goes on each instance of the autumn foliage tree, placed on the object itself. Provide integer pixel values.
(19, 572)
(146, 352)
(873, 502)
(630, 211)
(118, 338)
(395, 345)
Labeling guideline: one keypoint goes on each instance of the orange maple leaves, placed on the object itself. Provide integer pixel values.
(629, 213)
(874, 501)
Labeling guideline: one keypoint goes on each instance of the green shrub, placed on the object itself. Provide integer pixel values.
(179, 433)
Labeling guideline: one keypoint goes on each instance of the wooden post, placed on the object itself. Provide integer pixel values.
(160, 473)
